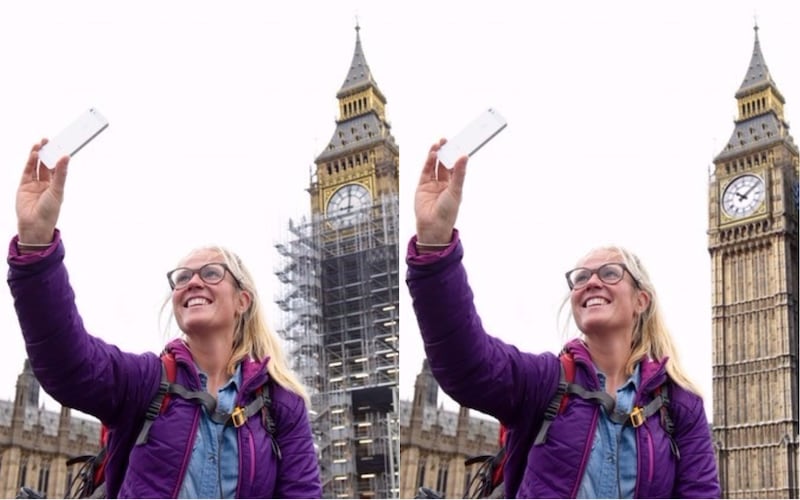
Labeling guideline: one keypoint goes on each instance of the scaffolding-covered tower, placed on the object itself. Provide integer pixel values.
(340, 272)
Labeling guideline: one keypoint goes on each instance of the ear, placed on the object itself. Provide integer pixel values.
(642, 301)
(244, 301)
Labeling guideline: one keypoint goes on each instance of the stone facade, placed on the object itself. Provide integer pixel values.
(435, 443)
(36, 443)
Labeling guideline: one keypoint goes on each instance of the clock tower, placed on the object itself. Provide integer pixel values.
(341, 273)
(753, 245)
(361, 161)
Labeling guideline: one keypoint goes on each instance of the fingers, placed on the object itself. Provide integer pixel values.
(457, 176)
(430, 162)
(29, 172)
(60, 176)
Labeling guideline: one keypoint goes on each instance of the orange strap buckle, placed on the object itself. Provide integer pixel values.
(637, 416)
(238, 416)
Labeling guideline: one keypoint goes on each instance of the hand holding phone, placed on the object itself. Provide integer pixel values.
(85, 128)
(480, 131)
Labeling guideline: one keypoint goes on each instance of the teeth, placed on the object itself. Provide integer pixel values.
(596, 301)
(197, 301)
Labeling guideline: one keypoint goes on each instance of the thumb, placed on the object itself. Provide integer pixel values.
(60, 176)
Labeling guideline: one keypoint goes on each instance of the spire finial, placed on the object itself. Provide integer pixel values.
(358, 27)
(755, 24)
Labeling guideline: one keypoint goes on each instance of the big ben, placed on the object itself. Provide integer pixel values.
(753, 245)
(342, 294)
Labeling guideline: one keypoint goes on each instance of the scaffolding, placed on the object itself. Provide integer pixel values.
(340, 320)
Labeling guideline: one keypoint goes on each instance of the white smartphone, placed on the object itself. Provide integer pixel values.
(74, 137)
(480, 131)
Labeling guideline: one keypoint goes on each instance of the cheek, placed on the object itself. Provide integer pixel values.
(177, 310)
(574, 303)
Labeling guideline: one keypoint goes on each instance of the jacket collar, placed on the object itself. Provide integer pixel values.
(254, 372)
(652, 372)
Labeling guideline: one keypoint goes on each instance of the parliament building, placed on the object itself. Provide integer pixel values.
(35, 443)
(435, 444)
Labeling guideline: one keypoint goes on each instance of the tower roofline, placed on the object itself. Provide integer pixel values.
(757, 76)
(359, 76)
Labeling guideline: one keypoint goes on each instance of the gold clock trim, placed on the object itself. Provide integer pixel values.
(328, 192)
(761, 208)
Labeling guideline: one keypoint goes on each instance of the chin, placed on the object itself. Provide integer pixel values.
(193, 326)
(591, 326)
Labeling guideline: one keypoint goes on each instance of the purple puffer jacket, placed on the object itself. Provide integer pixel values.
(85, 373)
(483, 372)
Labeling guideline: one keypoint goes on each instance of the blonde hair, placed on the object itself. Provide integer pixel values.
(252, 336)
(651, 337)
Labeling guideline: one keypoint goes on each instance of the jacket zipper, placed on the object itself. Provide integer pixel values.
(250, 438)
(189, 366)
(586, 450)
(648, 438)
(252, 445)
(187, 453)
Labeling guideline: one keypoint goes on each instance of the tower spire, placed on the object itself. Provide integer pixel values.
(359, 75)
(757, 76)
(760, 108)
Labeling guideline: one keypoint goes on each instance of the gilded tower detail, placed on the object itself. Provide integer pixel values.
(753, 245)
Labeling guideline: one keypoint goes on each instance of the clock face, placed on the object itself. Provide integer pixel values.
(347, 205)
(743, 196)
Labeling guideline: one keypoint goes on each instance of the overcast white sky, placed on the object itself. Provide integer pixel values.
(217, 111)
(615, 112)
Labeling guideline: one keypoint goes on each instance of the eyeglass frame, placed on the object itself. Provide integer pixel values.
(224, 266)
(595, 271)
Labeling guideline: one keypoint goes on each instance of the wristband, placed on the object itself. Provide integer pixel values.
(34, 245)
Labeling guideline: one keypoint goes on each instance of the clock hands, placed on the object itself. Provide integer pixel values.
(746, 193)
(744, 196)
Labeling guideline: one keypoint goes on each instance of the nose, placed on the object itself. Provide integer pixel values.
(195, 281)
(594, 281)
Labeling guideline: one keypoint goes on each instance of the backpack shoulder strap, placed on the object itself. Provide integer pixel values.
(667, 423)
(561, 397)
(160, 401)
(171, 369)
(568, 366)
(262, 402)
(267, 418)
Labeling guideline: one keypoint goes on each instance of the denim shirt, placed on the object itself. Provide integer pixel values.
(610, 446)
(216, 449)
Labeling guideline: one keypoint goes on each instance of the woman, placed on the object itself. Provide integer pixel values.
(227, 354)
(623, 359)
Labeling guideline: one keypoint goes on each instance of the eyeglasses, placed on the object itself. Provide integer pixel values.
(211, 273)
(610, 274)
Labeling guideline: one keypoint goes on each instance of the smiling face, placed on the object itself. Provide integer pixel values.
(602, 308)
(200, 307)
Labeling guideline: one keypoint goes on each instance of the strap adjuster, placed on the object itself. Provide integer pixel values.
(238, 417)
(637, 416)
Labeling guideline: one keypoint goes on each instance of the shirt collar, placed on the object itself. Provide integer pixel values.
(234, 382)
(634, 379)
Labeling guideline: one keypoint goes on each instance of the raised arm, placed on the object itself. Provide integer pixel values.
(474, 368)
(78, 370)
